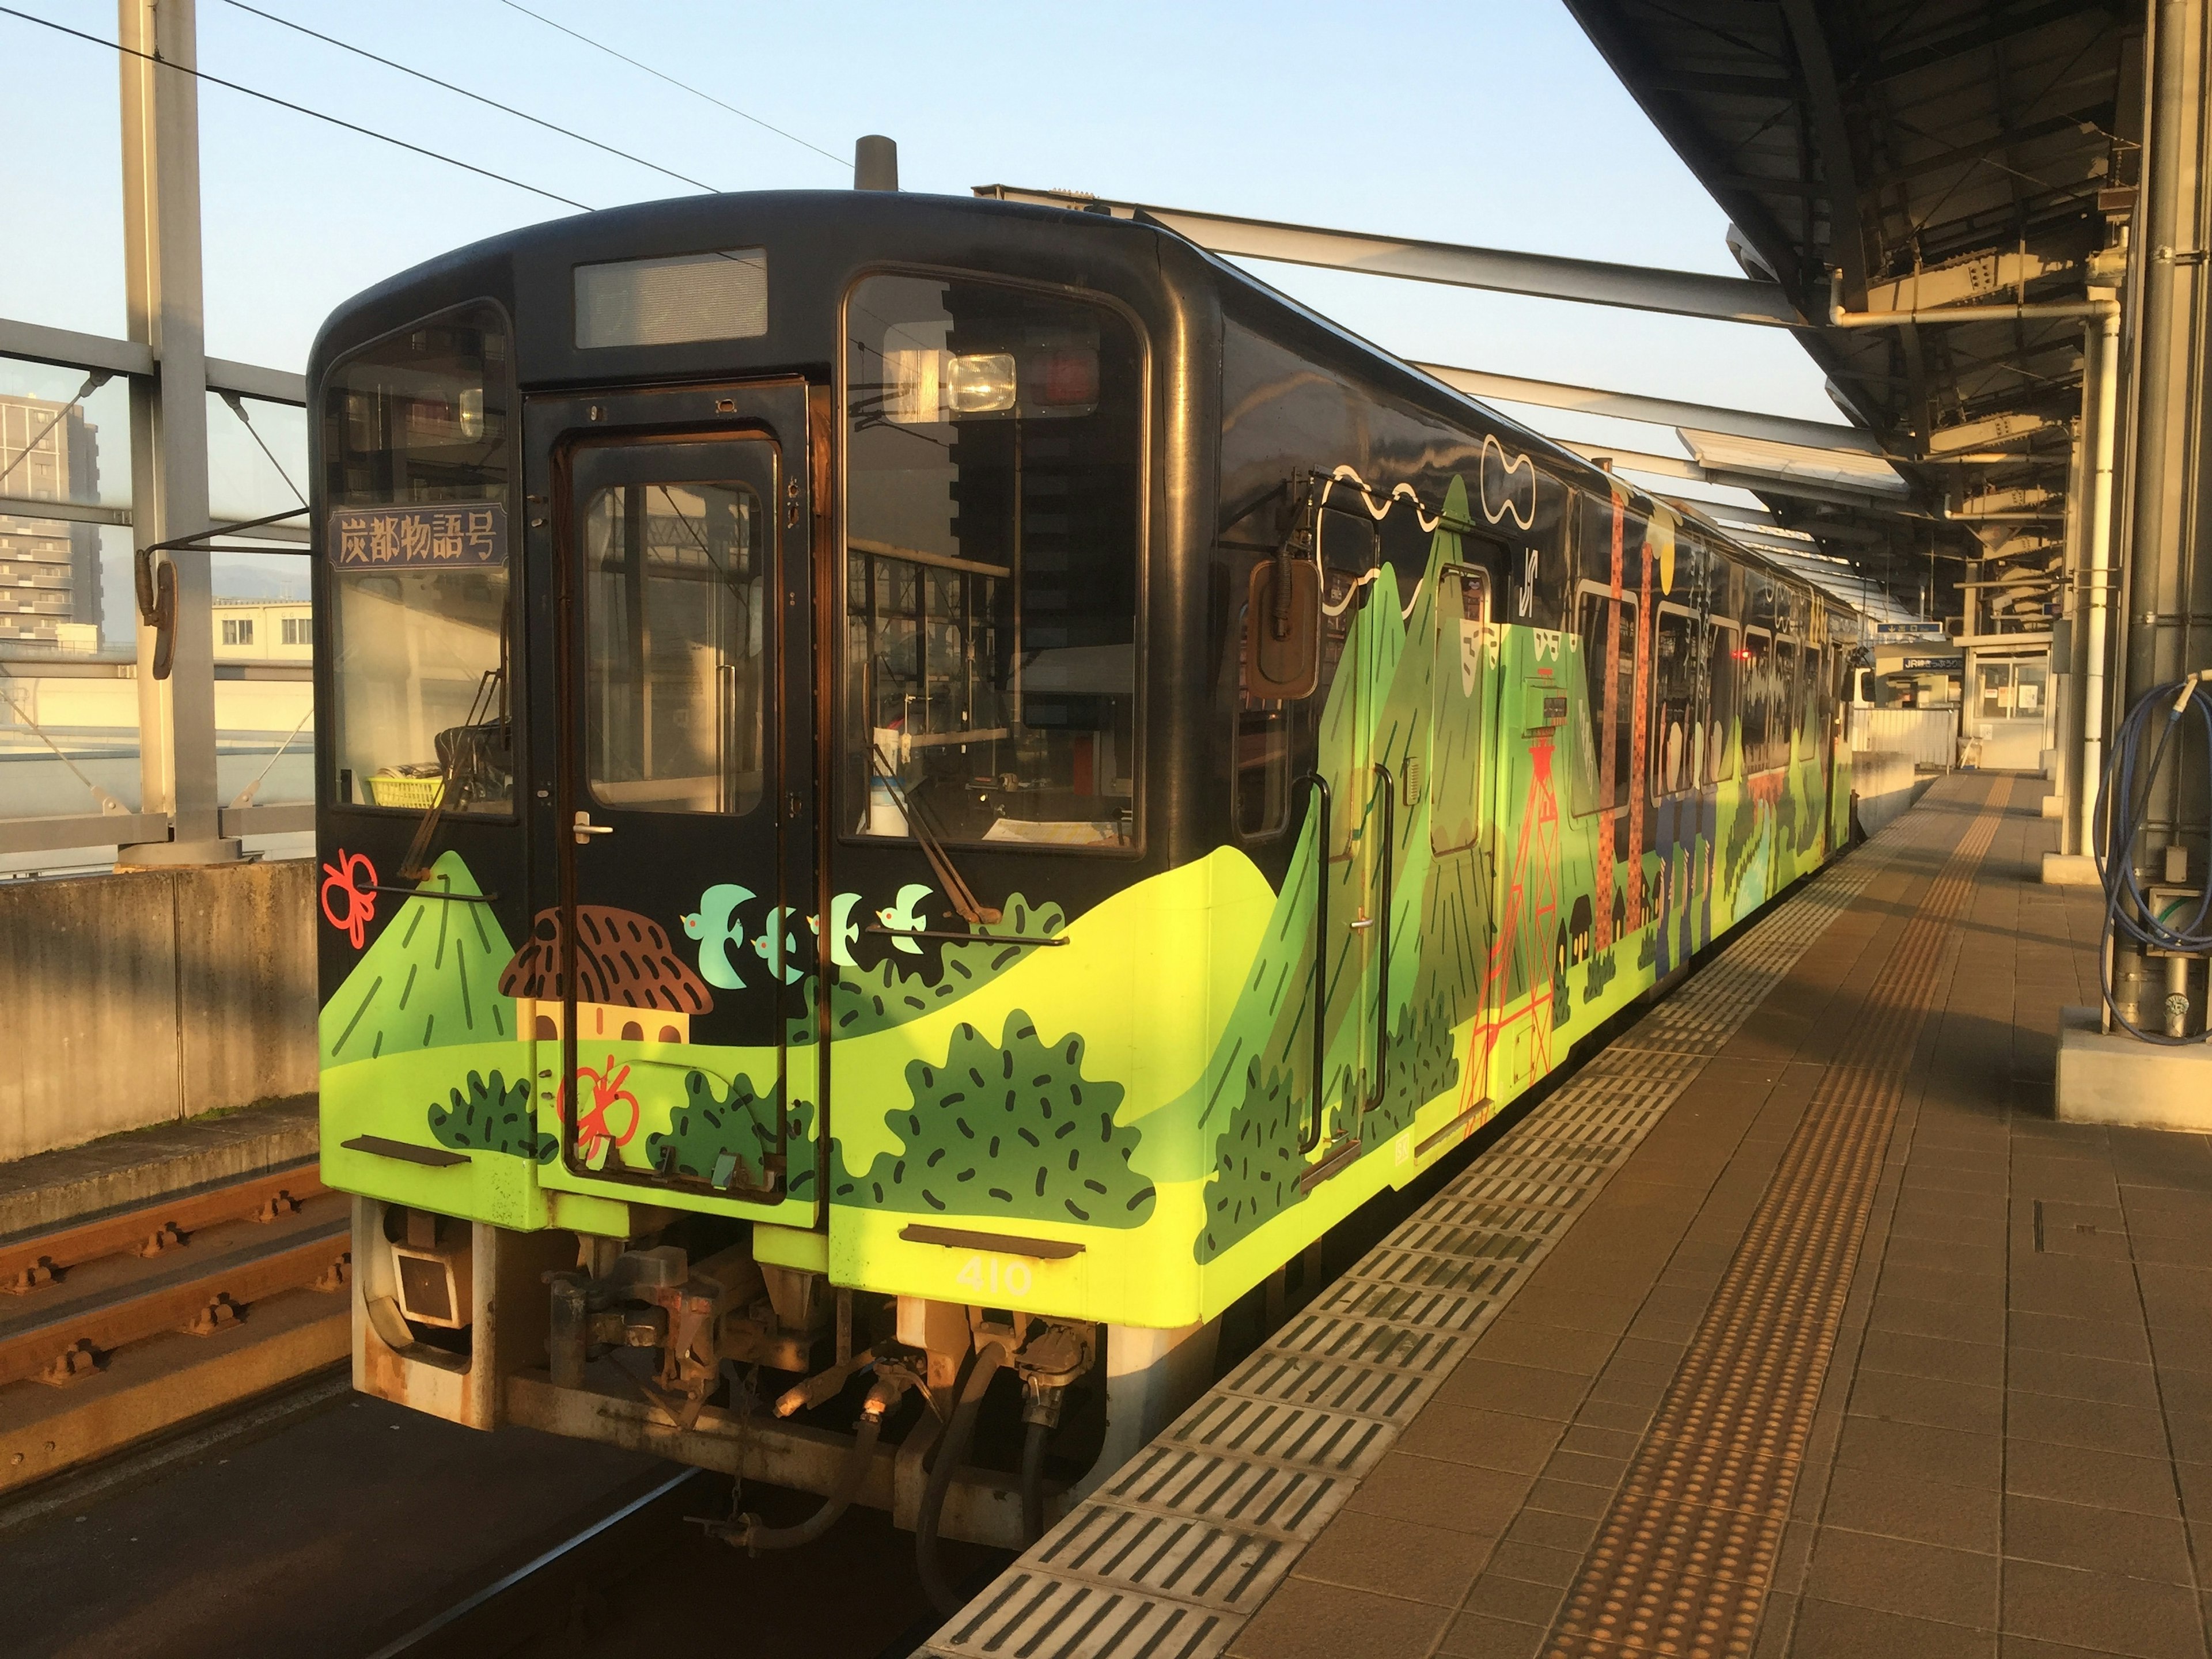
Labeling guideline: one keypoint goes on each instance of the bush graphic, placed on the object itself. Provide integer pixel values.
(492, 1116)
(1010, 1129)
(1256, 1161)
(736, 1122)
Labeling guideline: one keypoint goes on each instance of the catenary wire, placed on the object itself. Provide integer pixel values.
(680, 86)
(476, 97)
(297, 109)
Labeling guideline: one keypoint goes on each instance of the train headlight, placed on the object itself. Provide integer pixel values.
(980, 384)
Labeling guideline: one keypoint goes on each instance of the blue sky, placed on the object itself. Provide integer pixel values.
(1488, 121)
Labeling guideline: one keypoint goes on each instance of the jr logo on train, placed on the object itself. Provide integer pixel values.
(918, 797)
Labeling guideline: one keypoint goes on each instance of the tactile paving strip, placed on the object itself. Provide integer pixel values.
(1177, 1549)
(1683, 1559)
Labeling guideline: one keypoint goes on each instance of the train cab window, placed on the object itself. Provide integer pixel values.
(675, 696)
(416, 441)
(1677, 723)
(994, 459)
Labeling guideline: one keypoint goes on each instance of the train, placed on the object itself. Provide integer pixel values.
(918, 798)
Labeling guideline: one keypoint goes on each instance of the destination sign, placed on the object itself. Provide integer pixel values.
(450, 535)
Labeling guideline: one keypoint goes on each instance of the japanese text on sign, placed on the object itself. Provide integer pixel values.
(466, 534)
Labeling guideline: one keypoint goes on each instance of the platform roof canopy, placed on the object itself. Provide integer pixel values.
(1935, 153)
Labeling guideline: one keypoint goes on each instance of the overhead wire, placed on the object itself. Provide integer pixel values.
(681, 86)
(475, 97)
(296, 108)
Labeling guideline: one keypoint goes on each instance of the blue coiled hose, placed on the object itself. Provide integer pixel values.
(2122, 795)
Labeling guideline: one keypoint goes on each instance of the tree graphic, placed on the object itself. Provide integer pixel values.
(1256, 1161)
(1011, 1129)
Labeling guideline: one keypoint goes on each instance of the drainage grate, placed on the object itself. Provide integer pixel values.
(1331, 1442)
(1171, 1555)
(1683, 1559)
(1264, 1497)
(1167, 1560)
(1034, 1615)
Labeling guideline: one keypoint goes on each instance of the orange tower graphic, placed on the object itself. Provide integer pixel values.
(1531, 909)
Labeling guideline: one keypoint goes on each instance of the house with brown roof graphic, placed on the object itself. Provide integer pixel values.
(631, 986)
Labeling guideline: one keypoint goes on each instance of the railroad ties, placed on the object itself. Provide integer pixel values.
(256, 1268)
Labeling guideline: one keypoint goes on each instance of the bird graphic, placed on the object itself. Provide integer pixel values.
(843, 933)
(902, 916)
(715, 926)
(776, 946)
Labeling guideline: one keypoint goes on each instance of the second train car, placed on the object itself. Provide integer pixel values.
(914, 788)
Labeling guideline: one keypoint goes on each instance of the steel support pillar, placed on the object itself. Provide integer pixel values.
(168, 419)
(2168, 618)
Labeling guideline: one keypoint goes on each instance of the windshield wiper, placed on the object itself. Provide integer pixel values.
(932, 846)
(463, 740)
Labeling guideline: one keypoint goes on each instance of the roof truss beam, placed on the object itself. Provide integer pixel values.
(1590, 282)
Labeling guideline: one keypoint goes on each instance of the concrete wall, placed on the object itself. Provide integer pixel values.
(149, 995)
(1886, 785)
(1927, 736)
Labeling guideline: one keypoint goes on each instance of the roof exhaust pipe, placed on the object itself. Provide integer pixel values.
(875, 163)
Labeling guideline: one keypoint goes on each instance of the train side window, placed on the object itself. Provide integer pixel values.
(415, 463)
(1724, 661)
(1606, 621)
(676, 697)
(1260, 752)
(1785, 721)
(1458, 708)
(994, 518)
(1761, 715)
(1677, 725)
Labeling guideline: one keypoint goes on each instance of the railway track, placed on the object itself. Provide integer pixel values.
(132, 1323)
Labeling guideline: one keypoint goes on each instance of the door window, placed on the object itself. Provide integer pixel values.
(1996, 692)
(2030, 681)
(674, 697)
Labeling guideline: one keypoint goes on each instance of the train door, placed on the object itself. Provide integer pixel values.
(1358, 663)
(683, 813)
(1461, 790)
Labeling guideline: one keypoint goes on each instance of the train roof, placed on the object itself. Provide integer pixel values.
(820, 235)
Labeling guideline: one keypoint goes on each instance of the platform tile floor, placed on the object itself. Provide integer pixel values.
(2013, 1449)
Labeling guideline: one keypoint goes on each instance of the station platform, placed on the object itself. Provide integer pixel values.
(1792, 1324)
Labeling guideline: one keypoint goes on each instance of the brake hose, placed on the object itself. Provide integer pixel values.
(2122, 796)
(952, 1452)
(746, 1533)
(1033, 1439)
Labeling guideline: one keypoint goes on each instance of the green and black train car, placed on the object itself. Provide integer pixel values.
(904, 779)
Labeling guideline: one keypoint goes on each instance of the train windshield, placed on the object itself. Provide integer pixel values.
(416, 437)
(993, 530)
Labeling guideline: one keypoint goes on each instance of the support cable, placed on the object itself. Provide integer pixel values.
(297, 109)
(475, 97)
(93, 382)
(681, 86)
